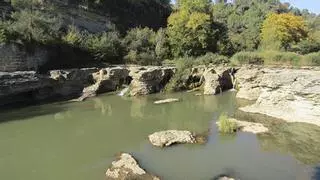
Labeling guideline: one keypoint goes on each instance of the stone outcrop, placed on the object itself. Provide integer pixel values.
(148, 80)
(169, 137)
(289, 94)
(217, 80)
(246, 126)
(164, 101)
(126, 167)
(29, 85)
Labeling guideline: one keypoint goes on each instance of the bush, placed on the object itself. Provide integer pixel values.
(211, 58)
(181, 76)
(140, 46)
(106, 46)
(74, 37)
(281, 58)
(306, 46)
(226, 125)
(35, 26)
(247, 58)
(312, 59)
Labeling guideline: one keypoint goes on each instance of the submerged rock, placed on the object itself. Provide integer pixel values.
(126, 167)
(166, 101)
(169, 137)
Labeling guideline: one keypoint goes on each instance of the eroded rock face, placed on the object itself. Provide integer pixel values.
(217, 80)
(126, 167)
(169, 137)
(148, 80)
(289, 94)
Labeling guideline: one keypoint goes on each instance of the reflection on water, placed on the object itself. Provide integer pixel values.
(79, 140)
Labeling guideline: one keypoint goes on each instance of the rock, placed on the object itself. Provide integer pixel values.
(166, 101)
(126, 167)
(149, 80)
(217, 80)
(289, 94)
(169, 137)
(225, 178)
(251, 127)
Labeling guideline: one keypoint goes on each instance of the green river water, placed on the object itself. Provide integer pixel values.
(79, 140)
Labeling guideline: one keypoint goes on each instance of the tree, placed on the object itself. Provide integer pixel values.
(279, 31)
(190, 29)
(140, 46)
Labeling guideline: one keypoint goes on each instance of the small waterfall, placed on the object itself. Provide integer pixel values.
(123, 91)
(233, 81)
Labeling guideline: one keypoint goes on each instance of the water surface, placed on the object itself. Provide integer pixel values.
(78, 141)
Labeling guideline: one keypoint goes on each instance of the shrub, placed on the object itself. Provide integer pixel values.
(247, 58)
(306, 46)
(106, 46)
(35, 26)
(140, 46)
(74, 37)
(162, 49)
(312, 59)
(178, 81)
(281, 58)
(211, 58)
(226, 125)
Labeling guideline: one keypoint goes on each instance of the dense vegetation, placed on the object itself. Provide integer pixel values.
(144, 32)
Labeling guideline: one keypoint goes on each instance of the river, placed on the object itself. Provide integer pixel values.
(79, 140)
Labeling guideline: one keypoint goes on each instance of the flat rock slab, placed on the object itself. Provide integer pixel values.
(170, 100)
(250, 127)
(169, 137)
(126, 167)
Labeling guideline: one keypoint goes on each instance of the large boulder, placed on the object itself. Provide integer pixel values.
(169, 137)
(217, 80)
(289, 94)
(126, 167)
(148, 80)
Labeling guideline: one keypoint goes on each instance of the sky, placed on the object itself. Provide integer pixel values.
(311, 5)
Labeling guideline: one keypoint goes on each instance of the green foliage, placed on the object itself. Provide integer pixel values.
(306, 46)
(3, 34)
(226, 125)
(140, 46)
(312, 59)
(247, 58)
(34, 26)
(276, 58)
(74, 37)
(211, 58)
(281, 58)
(105, 46)
(162, 49)
(179, 81)
(279, 31)
(190, 29)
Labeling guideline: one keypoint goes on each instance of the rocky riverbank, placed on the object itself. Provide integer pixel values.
(289, 94)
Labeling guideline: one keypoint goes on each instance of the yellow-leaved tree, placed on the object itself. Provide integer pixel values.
(281, 30)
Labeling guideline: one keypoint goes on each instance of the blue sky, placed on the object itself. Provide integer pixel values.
(311, 5)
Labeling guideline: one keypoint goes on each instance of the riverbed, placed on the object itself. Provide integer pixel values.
(79, 140)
